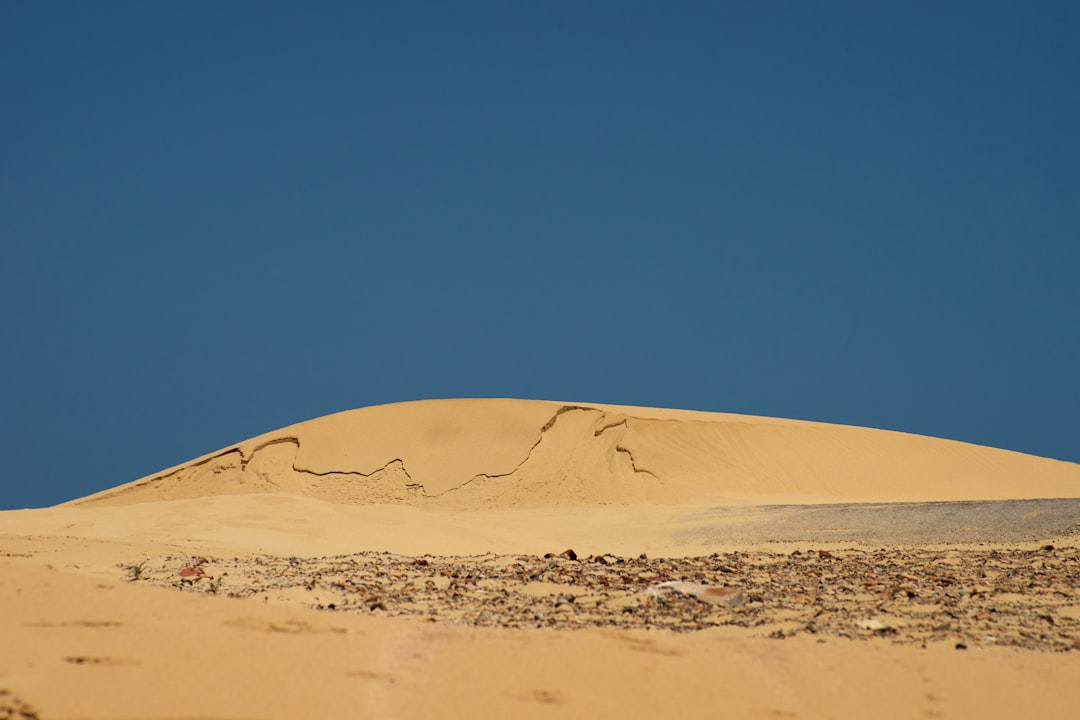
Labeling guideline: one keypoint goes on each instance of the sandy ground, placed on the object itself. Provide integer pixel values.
(568, 561)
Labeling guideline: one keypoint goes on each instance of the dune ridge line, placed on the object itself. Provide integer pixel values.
(503, 453)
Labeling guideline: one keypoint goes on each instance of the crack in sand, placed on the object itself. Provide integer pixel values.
(415, 489)
(633, 465)
(284, 440)
(482, 477)
(247, 468)
(619, 448)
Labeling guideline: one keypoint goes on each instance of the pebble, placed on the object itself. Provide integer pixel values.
(928, 595)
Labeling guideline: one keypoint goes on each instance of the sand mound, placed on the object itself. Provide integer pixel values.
(386, 562)
(502, 454)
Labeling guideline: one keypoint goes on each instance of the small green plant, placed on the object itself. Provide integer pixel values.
(214, 586)
(135, 572)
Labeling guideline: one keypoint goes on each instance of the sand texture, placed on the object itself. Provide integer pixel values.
(509, 558)
(503, 454)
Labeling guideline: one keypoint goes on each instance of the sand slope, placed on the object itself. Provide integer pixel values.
(502, 454)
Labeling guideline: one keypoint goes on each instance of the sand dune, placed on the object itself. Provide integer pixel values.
(501, 454)
(475, 558)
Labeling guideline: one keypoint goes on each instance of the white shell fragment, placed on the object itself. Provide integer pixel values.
(712, 594)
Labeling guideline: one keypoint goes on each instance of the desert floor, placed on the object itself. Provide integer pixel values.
(173, 597)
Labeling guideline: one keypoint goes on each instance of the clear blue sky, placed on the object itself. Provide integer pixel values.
(217, 219)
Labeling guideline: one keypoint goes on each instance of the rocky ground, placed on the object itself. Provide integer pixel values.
(969, 597)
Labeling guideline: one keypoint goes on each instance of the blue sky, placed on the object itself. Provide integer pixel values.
(217, 219)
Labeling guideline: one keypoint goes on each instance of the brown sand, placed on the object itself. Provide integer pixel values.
(390, 562)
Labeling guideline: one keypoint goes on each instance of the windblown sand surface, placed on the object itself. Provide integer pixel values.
(532, 559)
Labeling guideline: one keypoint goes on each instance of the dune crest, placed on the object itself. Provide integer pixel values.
(499, 454)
